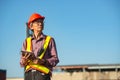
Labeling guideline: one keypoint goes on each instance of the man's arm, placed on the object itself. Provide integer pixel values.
(53, 60)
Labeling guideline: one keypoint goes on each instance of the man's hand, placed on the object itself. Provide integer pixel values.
(24, 61)
(28, 55)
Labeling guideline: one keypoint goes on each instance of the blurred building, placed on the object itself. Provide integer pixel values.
(87, 72)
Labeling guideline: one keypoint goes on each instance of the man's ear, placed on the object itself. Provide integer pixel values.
(31, 26)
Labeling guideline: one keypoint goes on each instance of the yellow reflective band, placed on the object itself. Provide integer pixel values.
(45, 46)
(29, 44)
(40, 68)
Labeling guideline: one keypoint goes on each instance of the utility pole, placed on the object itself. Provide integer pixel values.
(27, 31)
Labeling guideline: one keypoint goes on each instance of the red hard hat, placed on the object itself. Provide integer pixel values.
(33, 17)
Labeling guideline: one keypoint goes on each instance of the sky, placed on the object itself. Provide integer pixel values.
(85, 31)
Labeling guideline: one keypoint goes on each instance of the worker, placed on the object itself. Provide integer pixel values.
(38, 53)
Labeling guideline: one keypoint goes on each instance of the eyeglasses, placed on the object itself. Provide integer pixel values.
(38, 23)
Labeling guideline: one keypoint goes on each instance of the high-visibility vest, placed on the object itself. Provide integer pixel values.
(38, 67)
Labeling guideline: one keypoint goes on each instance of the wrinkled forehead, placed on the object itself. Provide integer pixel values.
(38, 20)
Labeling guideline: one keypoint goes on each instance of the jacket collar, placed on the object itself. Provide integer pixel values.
(42, 36)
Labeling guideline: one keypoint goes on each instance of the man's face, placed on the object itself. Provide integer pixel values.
(37, 26)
